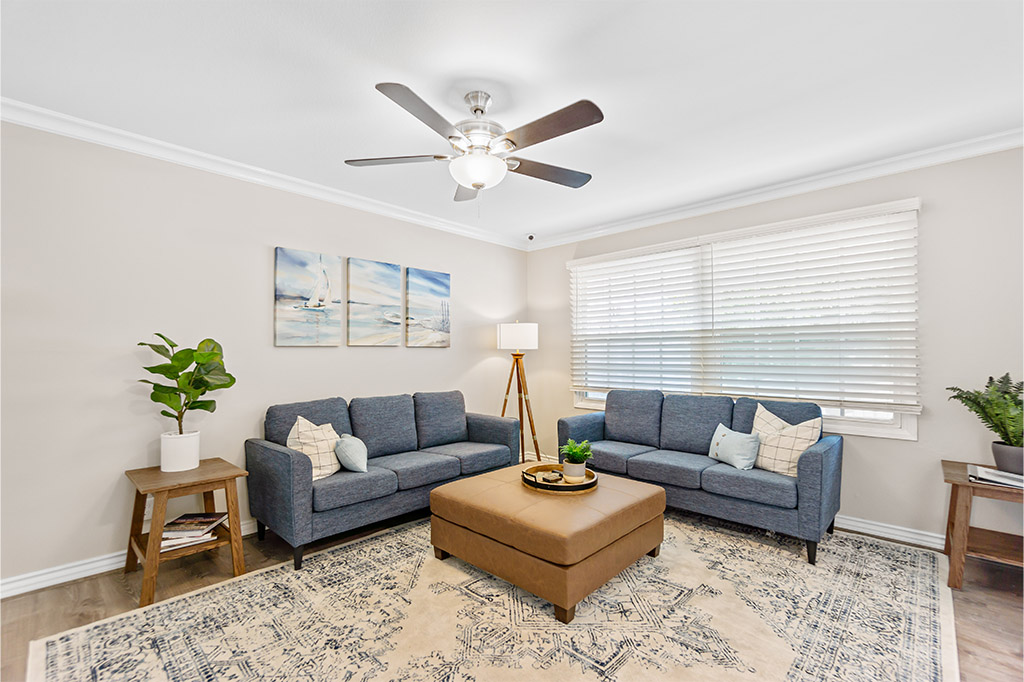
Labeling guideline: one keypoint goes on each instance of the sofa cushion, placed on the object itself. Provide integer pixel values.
(755, 485)
(782, 443)
(281, 418)
(349, 487)
(792, 413)
(387, 424)
(351, 453)
(633, 417)
(610, 455)
(670, 467)
(735, 448)
(475, 457)
(689, 421)
(440, 418)
(419, 468)
(316, 442)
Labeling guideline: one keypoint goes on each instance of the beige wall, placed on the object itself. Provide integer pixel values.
(100, 248)
(970, 325)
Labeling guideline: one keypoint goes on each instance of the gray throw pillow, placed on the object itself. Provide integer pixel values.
(735, 448)
(351, 452)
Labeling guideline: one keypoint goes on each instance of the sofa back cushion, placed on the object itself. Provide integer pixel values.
(440, 418)
(386, 424)
(793, 413)
(633, 417)
(689, 421)
(281, 418)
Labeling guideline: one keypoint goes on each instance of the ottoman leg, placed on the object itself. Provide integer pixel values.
(655, 552)
(441, 554)
(565, 615)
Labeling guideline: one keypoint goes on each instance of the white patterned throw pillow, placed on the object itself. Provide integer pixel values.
(317, 443)
(782, 443)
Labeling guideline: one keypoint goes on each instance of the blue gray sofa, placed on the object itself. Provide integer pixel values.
(414, 444)
(665, 440)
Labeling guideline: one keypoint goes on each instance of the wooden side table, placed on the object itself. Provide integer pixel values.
(212, 474)
(961, 539)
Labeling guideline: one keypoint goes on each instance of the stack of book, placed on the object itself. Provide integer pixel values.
(190, 529)
(994, 477)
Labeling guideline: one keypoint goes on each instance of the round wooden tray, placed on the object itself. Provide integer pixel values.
(531, 479)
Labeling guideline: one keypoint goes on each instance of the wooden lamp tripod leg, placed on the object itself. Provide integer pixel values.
(508, 387)
(522, 434)
(529, 408)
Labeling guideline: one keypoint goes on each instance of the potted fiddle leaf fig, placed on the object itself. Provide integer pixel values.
(574, 467)
(190, 374)
(998, 406)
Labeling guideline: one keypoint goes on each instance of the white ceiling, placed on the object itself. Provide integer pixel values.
(703, 101)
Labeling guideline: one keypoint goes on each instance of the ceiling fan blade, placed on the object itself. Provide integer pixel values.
(573, 117)
(411, 102)
(555, 174)
(390, 160)
(464, 193)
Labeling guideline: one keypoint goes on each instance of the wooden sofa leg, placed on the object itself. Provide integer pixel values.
(812, 551)
(261, 530)
(297, 554)
(831, 527)
(441, 554)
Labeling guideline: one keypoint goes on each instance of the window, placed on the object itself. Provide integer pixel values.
(822, 309)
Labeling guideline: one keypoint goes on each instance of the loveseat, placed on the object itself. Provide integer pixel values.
(414, 443)
(665, 440)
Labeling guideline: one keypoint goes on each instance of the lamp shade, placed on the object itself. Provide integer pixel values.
(517, 336)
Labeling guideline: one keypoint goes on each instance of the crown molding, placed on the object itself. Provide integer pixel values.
(956, 151)
(50, 121)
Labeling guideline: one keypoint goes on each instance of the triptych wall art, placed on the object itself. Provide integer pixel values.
(308, 308)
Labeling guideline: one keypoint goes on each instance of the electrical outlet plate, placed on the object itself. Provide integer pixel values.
(148, 514)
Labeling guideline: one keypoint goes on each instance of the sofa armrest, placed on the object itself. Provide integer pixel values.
(280, 489)
(819, 478)
(580, 427)
(485, 428)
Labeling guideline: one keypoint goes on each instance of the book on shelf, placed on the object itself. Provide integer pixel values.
(174, 543)
(193, 525)
(994, 477)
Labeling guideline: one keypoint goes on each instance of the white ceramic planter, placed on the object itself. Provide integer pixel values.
(179, 451)
(574, 473)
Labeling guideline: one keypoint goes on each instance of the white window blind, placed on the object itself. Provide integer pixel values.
(824, 311)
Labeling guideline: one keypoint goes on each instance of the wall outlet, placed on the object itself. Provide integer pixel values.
(148, 514)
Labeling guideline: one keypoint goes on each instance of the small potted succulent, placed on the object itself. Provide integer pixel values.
(191, 373)
(574, 467)
(998, 406)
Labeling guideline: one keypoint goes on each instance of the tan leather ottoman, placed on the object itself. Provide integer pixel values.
(559, 547)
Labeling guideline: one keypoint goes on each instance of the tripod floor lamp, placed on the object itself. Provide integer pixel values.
(517, 337)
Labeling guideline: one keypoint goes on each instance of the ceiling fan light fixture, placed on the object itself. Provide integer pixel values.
(477, 169)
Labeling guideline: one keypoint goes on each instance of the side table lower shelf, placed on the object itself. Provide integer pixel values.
(140, 542)
(995, 546)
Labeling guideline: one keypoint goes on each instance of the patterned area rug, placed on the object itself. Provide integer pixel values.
(722, 602)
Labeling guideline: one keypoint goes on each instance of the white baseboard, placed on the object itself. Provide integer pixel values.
(890, 532)
(36, 580)
(48, 577)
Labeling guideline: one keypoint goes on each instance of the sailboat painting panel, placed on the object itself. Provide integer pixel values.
(374, 303)
(427, 302)
(307, 298)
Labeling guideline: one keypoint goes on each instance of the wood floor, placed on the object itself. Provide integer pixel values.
(988, 609)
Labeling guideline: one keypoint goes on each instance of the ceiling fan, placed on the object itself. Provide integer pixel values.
(482, 148)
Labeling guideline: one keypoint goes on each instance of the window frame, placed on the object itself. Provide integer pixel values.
(900, 426)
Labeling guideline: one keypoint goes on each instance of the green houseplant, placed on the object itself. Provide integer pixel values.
(190, 374)
(999, 407)
(574, 467)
